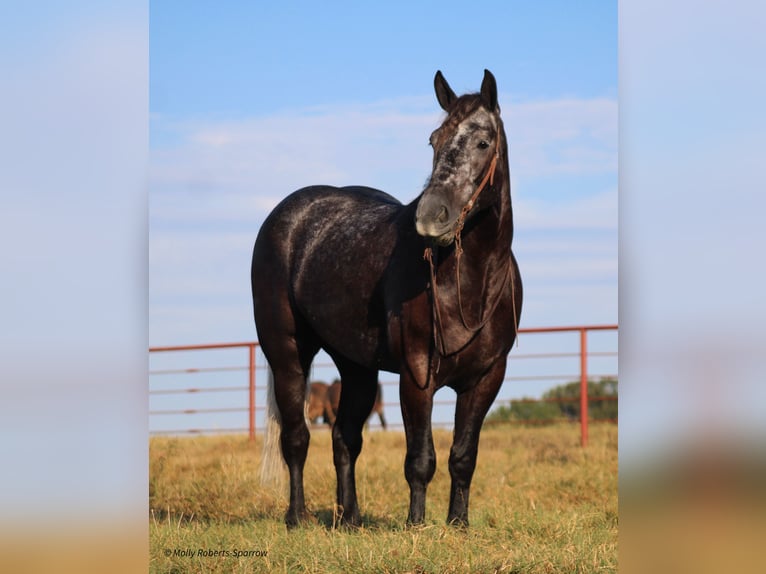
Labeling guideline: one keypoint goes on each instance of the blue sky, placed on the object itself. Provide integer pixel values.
(258, 58)
(251, 102)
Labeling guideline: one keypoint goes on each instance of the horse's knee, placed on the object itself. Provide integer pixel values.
(420, 468)
(462, 463)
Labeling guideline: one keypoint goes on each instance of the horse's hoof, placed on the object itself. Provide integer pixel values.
(458, 522)
(347, 520)
(296, 519)
(352, 523)
(414, 524)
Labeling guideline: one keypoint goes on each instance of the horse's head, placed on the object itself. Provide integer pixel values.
(467, 148)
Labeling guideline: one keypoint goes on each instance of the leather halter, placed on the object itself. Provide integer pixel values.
(428, 256)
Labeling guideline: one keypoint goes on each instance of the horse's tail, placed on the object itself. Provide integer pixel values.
(271, 462)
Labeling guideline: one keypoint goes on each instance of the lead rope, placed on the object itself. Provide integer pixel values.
(435, 308)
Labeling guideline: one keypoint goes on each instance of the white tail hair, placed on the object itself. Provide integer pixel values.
(272, 465)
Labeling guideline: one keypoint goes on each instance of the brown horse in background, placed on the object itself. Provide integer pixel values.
(318, 404)
(324, 401)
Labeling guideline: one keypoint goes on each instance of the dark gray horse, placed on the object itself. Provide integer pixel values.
(429, 290)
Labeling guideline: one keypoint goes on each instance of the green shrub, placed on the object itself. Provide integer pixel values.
(562, 402)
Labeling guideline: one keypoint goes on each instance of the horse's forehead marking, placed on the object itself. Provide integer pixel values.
(453, 147)
(478, 120)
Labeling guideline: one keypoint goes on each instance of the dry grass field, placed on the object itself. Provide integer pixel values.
(539, 503)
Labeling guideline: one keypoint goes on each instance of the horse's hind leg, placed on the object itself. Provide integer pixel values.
(290, 359)
(357, 398)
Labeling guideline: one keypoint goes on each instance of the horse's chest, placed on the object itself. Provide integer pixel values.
(413, 344)
(462, 369)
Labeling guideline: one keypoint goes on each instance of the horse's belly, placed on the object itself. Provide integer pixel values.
(342, 332)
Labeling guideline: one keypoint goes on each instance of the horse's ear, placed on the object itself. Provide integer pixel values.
(489, 91)
(444, 93)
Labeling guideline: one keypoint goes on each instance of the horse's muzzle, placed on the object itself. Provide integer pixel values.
(432, 220)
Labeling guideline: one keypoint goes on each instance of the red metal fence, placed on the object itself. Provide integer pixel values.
(178, 370)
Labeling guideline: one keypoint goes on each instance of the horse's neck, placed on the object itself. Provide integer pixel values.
(471, 280)
(487, 244)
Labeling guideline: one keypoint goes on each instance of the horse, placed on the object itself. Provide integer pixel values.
(324, 400)
(430, 290)
(318, 403)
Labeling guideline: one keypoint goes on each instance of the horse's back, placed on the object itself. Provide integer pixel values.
(320, 202)
(316, 214)
(320, 254)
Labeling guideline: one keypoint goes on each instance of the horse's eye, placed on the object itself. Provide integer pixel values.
(483, 144)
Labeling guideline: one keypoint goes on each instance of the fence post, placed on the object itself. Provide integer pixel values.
(583, 387)
(252, 392)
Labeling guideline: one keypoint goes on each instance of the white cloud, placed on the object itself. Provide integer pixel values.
(220, 207)
(569, 136)
(199, 264)
(382, 145)
(577, 269)
(200, 286)
(596, 211)
(272, 156)
(211, 188)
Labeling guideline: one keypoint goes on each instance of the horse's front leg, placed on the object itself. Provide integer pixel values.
(470, 410)
(420, 461)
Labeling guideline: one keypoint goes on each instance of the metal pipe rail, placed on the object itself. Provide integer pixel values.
(251, 387)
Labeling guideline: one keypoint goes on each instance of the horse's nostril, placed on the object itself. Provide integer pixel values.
(442, 216)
